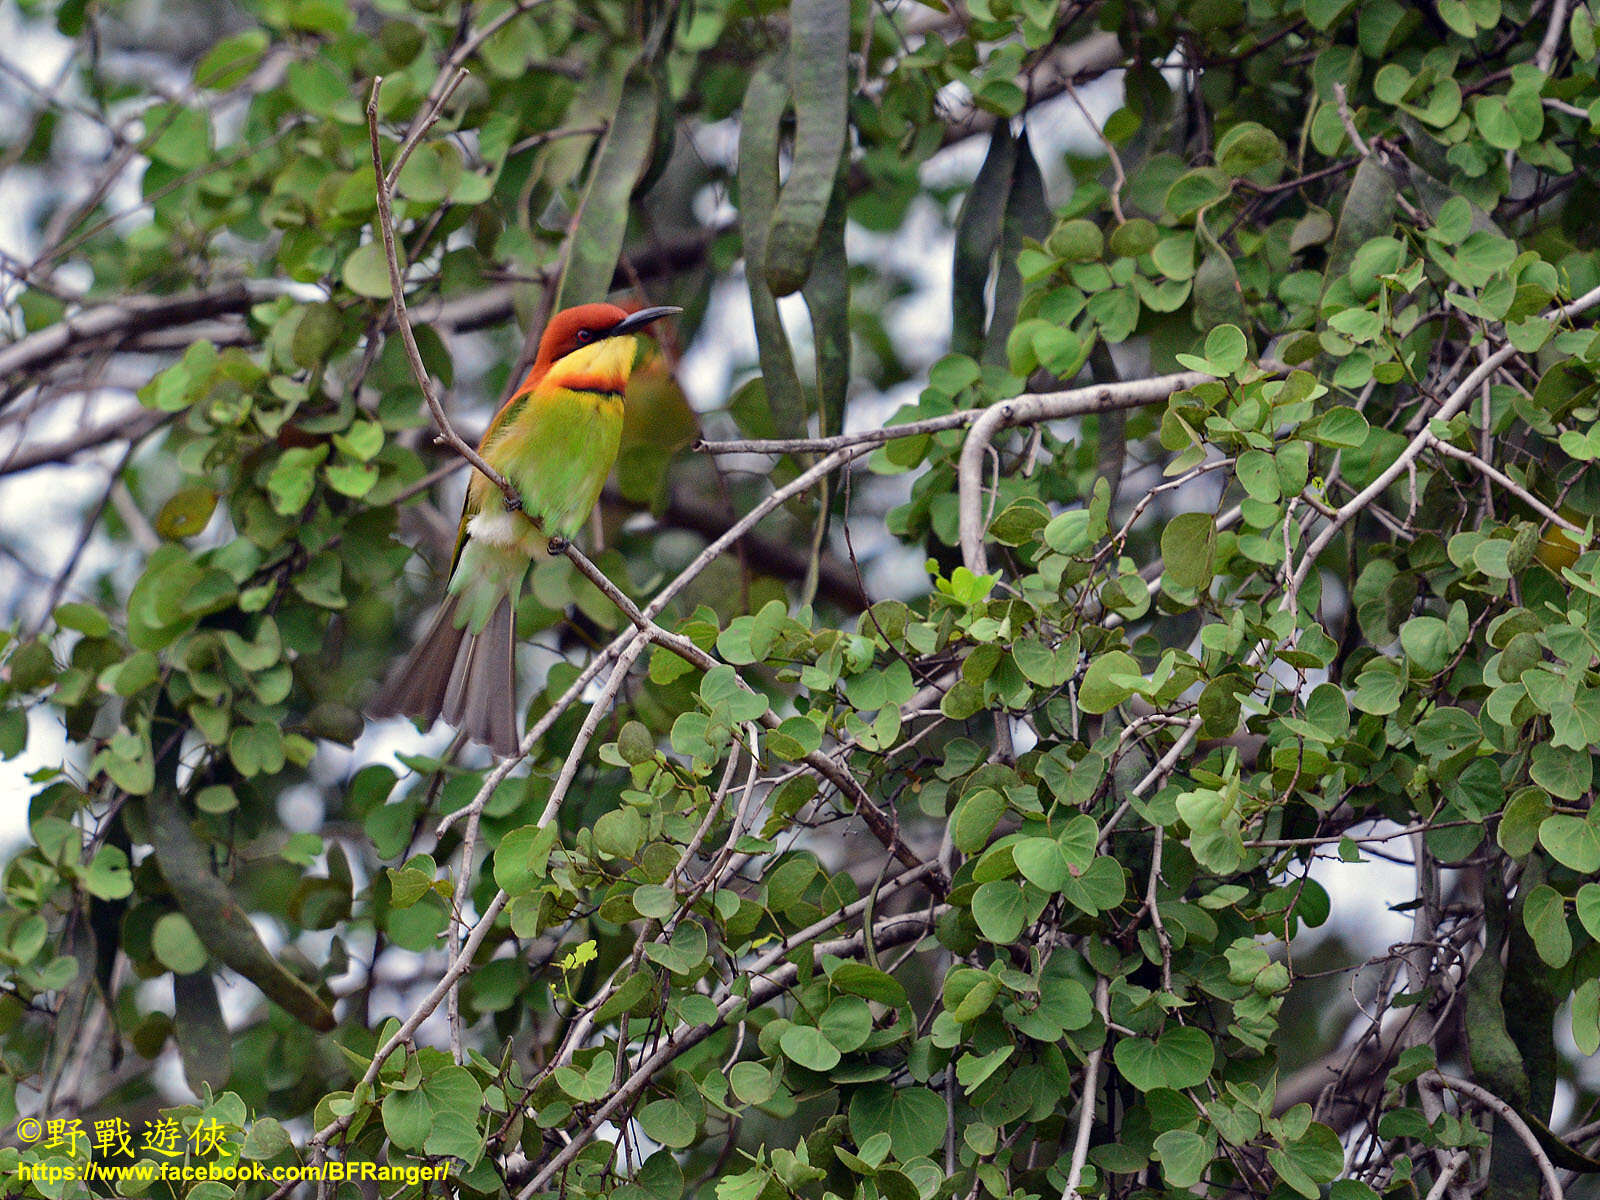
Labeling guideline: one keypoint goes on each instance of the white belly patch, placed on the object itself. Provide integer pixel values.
(506, 531)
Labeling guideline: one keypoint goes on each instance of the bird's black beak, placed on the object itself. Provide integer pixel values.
(634, 322)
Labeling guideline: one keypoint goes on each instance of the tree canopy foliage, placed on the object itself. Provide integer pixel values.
(1255, 495)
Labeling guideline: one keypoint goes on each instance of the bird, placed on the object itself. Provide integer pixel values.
(554, 441)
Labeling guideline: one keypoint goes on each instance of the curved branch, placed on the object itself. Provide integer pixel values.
(1438, 1079)
(1031, 410)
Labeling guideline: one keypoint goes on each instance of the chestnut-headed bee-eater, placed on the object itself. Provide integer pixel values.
(555, 441)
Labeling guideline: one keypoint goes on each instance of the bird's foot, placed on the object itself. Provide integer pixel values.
(513, 504)
(559, 544)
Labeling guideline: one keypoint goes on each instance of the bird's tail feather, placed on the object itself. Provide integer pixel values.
(468, 679)
(481, 700)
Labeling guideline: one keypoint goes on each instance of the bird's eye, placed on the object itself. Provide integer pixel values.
(585, 336)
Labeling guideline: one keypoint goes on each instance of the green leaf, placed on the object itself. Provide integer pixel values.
(453, 1098)
(1174, 256)
(1001, 910)
(1226, 348)
(1184, 1157)
(176, 136)
(969, 993)
(1103, 688)
(1428, 643)
(176, 946)
(1071, 532)
(809, 1047)
(1324, 13)
(1042, 863)
(230, 60)
(1494, 121)
(847, 1023)
(1585, 1012)
(1587, 904)
(1258, 473)
(684, 954)
(1577, 725)
(366, 272)
(84, 618)
(1561, 771)
(1188, 548)
(752, 1082)
(407, 1118)
(1573, 841)
(1195, 190)
(1340, 428)
(620, 832)
(265, 1139)
(913, 1117)
(521, 858)
(1316, 1155)
(1134, 237)
(1180, 1058)
(1544, 915)
(1099, 888)
(1518, 832)
(974, 819)
(107, 876)
(1446, 732)
(973, 1069)
(1041, 665)
(431, 173)
(1247, 147)
(669, 1123)
(859, 979)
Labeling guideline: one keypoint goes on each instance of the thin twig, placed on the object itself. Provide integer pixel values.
(64, 576)
(881, 825)
(1118, 179)
(1441, 1185)
(1490, 472)
(1551, 42)
(419, 129)
(1347, 119)
(714, 550)
(447, 432)
(1091, 1085)
(555, 135)
(1463, 392)
(767, 984)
